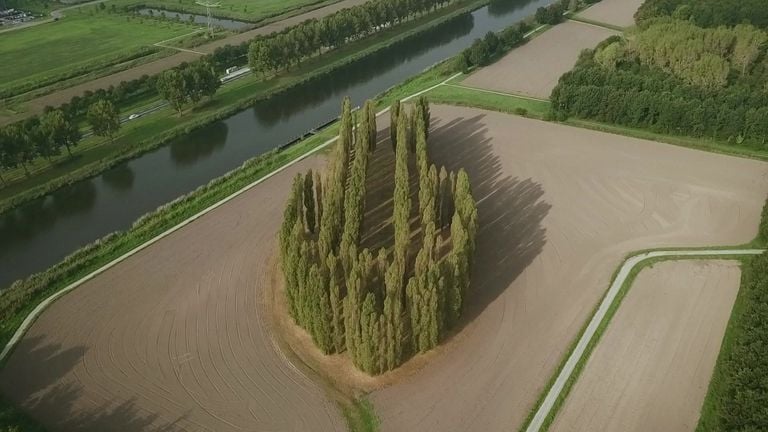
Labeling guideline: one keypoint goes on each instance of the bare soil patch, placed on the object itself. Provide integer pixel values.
(615, 12)
(534, 68)
(652, 367)
(559, 209)
(175, 337)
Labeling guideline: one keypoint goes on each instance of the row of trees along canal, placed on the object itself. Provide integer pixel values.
(190, 82)
(380, 308)
(57, 129)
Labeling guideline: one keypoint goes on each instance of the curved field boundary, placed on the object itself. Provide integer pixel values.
(581, 352)
(30, 319)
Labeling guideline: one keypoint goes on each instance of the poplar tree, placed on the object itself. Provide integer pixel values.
(309, 202)
(394, 120)
(336, 301)
(402, 199)
(372, 130)
(424, 111)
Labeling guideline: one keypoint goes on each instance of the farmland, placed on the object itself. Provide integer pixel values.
(534, 68)
(651, 368)
(77, 43)
(543, 260)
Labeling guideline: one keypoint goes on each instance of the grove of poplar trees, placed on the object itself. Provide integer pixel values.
(379, 306)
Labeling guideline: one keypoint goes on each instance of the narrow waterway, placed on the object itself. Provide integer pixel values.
(41, 233)
(224, 23)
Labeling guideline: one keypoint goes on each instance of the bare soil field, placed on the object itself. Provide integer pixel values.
(559, 209)
(534, 68)
(615, 12)
(651, 369)
(174, 338)
(36, 106)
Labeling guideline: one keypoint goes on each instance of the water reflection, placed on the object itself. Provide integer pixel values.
(120, 178)
(503, 7)
(317, 91)
(197, 19)
(43, 232)
(200, 144)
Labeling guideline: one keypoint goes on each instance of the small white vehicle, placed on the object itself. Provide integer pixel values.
(134, 116)
(231, 69)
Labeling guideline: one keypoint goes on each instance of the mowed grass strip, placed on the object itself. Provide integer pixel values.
(469, 97)
(74, 42)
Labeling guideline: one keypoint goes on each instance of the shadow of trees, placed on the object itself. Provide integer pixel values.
(510, 209)
(33, 380)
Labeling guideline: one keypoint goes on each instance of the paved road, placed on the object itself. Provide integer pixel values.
(597, 318)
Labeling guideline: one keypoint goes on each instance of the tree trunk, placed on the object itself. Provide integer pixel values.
(26, 171)
(69, 150)
(2, 179)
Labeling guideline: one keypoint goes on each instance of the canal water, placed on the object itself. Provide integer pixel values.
(224, 23)
(39, 234)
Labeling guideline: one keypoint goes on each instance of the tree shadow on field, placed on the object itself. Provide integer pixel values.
(510, 209)
(36, 379)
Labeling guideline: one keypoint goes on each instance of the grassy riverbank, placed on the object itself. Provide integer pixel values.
(94, 155)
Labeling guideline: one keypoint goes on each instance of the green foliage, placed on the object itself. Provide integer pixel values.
(394, 118)
(104, 119)
(486, 49)
(346, 299)
(738, 393)
(707, 13)
(674, 78)
(764, 223)
(289, 47)
(181, 86)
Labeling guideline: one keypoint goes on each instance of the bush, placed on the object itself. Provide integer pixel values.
(521, 111)
(764, 223)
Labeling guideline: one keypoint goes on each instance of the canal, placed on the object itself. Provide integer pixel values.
(41, 233)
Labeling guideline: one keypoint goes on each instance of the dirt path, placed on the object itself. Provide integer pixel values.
(559, 209)
(534, 68)
(615, 12)
(36, 106)
(173, 338)
(652, 366)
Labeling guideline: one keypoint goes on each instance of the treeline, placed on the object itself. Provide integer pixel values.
(380, 307)
(673, 84)
(281, 50)
(483, 51)
(738, 394)
(45, 136)
(188, 85)
(707, 13)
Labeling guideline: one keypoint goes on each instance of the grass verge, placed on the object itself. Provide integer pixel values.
(360, 416)
(469, 97)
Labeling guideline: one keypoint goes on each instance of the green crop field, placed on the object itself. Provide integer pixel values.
(75, 42)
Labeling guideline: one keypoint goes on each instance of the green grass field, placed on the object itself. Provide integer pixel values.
(248, 10)
(76, 42)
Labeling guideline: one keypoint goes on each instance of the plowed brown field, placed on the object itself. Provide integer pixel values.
(651, 369)
(559, 209)
(616, 12)
(173, 338)
(534, 68)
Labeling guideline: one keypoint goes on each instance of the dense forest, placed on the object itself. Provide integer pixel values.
(708, 13)
(673, 77)
(379, 306)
